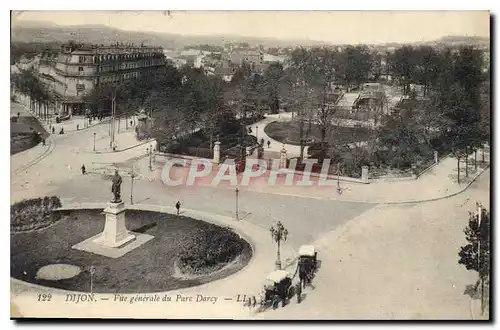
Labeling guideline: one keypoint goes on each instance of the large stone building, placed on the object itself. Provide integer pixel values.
(77, 69)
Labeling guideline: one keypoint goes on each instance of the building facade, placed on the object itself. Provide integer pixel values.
(77, 69)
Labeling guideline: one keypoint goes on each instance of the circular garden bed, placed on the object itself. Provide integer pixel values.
(184, 252)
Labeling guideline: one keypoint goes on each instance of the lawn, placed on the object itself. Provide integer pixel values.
(289, 133)
(20, 134)
(149, 268)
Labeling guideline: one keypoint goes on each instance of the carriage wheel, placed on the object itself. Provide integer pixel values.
(291, 292)
(275, 301)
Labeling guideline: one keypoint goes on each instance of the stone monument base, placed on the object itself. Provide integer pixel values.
(115, 233)
(115, 240)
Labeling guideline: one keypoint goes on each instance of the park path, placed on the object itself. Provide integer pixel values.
(275, 146)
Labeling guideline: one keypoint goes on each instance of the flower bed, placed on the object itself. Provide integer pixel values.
(33, 214)
(210, 250)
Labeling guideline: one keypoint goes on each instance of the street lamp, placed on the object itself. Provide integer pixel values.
(257, 133)
(237, 192)
(132, 176)
(150, 154)
(94, 141)
(279, 234)
(92, 272)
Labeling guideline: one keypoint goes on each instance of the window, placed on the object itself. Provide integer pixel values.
(80, 87)
(80, 69)
(81, 59)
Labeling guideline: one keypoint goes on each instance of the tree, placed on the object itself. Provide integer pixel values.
(456, 95)
(273, 77)
(402, 140)
(476, 254)
(426, 67)
(402, 65)
(296, 92)
(321, 76)
(353, 65)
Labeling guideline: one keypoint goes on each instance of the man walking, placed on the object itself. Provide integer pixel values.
(178, 207)
(83, 170)
(268, 144)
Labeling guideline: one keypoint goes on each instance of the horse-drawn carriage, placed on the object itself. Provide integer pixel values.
(278, 287)
(308, 262)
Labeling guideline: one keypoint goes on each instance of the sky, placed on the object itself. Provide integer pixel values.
(329, 26)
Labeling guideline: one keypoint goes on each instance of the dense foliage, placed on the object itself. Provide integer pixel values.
(210, 250)
(34, 214)
(455, 116)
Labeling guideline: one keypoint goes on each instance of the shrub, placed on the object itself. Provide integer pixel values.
(34, 213)
(210, 249)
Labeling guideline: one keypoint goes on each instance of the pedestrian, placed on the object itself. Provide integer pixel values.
(268, 144)
(131, 123)
(83, 169)
(53, 130)
(43, 142)
(18, 114)
(178, 207)
(61, 131)
(77, 127)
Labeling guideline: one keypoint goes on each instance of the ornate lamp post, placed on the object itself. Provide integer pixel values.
(279, 234)
(150, 150)
(92, 272)
(132, 176)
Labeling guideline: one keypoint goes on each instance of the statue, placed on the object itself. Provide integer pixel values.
(115, 188)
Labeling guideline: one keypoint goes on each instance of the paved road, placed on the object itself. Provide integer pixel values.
(306, 219)
(396, 262)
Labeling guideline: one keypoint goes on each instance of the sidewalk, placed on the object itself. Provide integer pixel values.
(69, 125)
(439, 182)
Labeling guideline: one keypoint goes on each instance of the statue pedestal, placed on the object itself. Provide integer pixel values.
(115, 234)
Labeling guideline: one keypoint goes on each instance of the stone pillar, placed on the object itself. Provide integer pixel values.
(436, 159)
(283, 157)
(217, 153)
(115, 234)
(364, 173)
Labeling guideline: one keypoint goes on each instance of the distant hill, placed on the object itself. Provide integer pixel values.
(36, 31)
(39, 31)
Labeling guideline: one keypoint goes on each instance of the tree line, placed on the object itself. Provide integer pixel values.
(455, 118)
